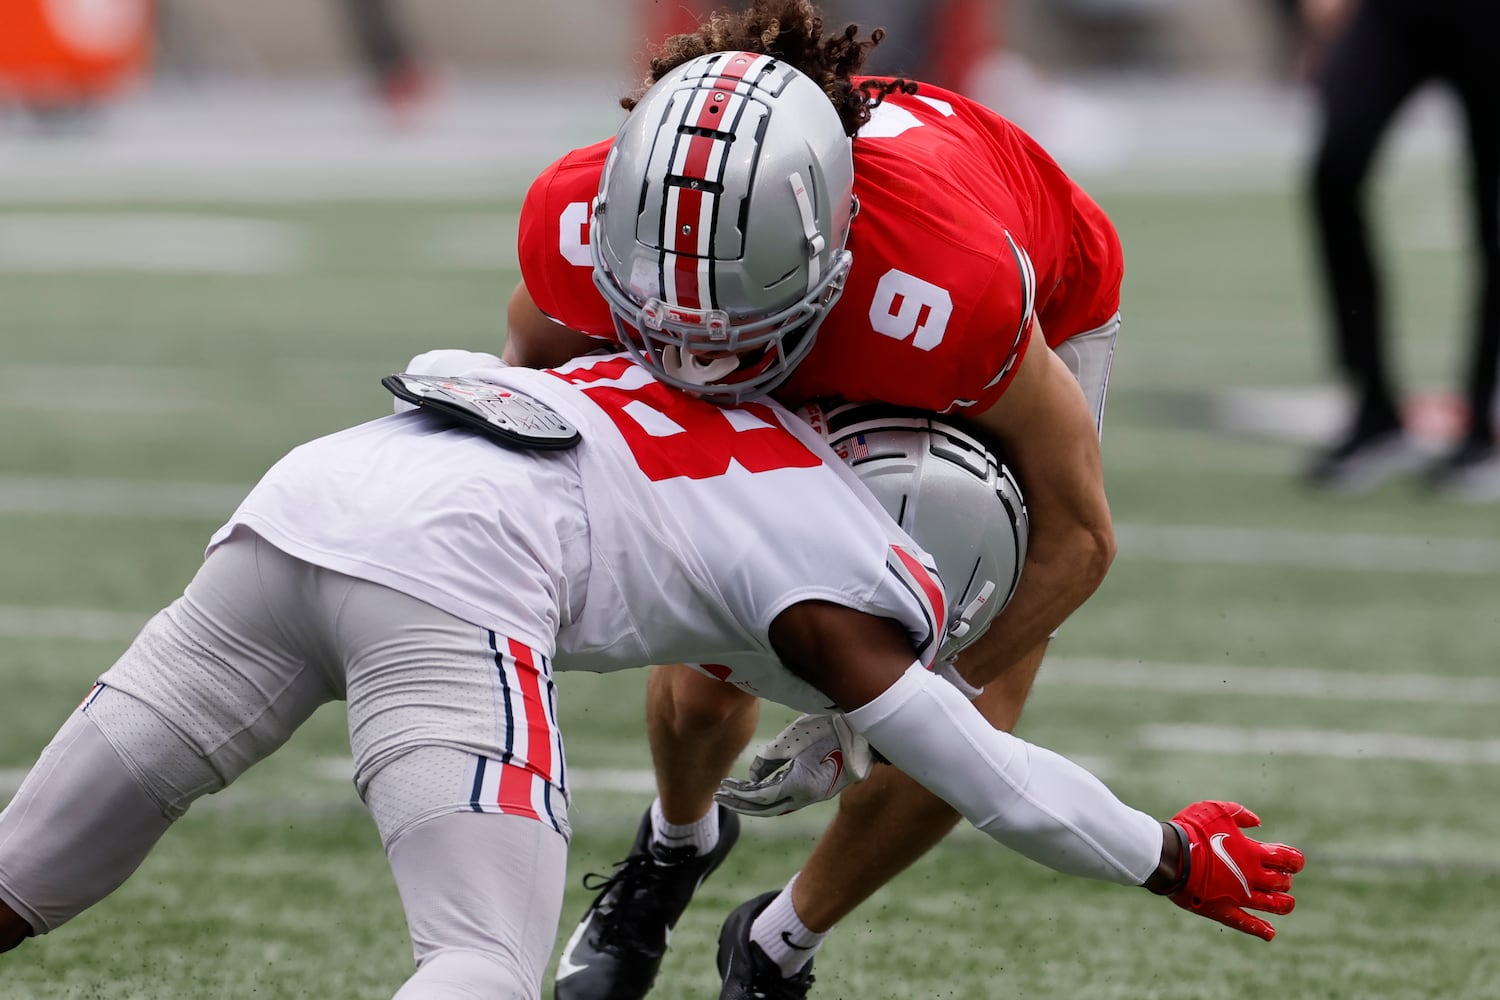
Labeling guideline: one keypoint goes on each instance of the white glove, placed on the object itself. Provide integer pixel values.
(812, 760)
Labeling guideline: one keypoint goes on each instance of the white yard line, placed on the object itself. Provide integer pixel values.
(1224, 545)
(256, 139)
(639, 781)
(261, 142)
(159, 243)
(17, 622)
(1402, 860)
(123, 498)
(476, 241)
(1190, 544)
(1270, 682)
(636, 781)
(24, 622)
(1362, 746)
(140, 390)
(100, 390)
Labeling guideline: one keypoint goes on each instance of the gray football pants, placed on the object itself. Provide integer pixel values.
(1089, 356)
(482, 890)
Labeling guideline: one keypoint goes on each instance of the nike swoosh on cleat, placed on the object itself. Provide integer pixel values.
(565, 964)
(1216, 844)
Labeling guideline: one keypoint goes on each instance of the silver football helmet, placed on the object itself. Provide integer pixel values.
(950, 492)
(718, 235)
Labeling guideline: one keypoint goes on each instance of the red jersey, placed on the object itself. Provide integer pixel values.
(966, 229)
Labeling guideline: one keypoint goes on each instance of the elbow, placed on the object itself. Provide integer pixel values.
(1076, 557)
(1103, 549)
(1098, 554)
(1089, 554)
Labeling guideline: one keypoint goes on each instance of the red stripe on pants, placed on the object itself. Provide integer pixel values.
(538, 728)
(515, 792)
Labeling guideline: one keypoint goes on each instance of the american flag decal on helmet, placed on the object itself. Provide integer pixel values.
(694, 185)
(920, 578)
(853, 449)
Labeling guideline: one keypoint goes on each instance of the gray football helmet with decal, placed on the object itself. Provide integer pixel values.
(718, 235)
(950, 492)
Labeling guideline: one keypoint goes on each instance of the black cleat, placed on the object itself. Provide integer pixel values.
(1362, 461)
(617, 947)
(1470, 472)
(746, 971)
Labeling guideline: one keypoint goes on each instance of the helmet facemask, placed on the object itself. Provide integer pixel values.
(718, 236)
(705, 352)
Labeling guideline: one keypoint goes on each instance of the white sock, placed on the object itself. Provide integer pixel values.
(703, 834)
(783, 936)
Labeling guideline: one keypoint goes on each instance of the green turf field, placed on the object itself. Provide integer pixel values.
(1336, 657)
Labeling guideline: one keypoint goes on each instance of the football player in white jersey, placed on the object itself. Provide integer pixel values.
(434, 578)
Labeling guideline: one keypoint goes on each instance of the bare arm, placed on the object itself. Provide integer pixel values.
(848, 655)
(538, 341)
(1050, 439)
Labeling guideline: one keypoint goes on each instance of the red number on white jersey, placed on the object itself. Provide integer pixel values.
(673, 435)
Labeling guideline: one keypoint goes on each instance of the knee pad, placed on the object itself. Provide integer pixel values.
(168, 767)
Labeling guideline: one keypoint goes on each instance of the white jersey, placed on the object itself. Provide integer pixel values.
(676, 531)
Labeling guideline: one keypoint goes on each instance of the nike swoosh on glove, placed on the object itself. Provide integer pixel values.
(1228, 872)
(811, 760)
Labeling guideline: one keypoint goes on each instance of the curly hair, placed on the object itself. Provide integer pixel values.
(791, 31)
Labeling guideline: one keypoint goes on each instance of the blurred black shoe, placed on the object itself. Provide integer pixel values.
(1471, 472)
(617, 948)
(747, 972)
(1364, 460)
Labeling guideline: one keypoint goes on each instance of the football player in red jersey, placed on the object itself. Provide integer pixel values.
(815, 234)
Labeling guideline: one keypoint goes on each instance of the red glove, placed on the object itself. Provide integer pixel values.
(1226, 870)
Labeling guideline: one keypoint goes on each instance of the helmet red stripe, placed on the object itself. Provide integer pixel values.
(685, 281)
(707, 155)
(735, 68)
(713, 112)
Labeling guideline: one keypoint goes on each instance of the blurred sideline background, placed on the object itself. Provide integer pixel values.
(221, 223)
(216, 94)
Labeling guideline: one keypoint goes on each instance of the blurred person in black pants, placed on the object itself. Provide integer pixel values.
(401, 81)
(1379, 52)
